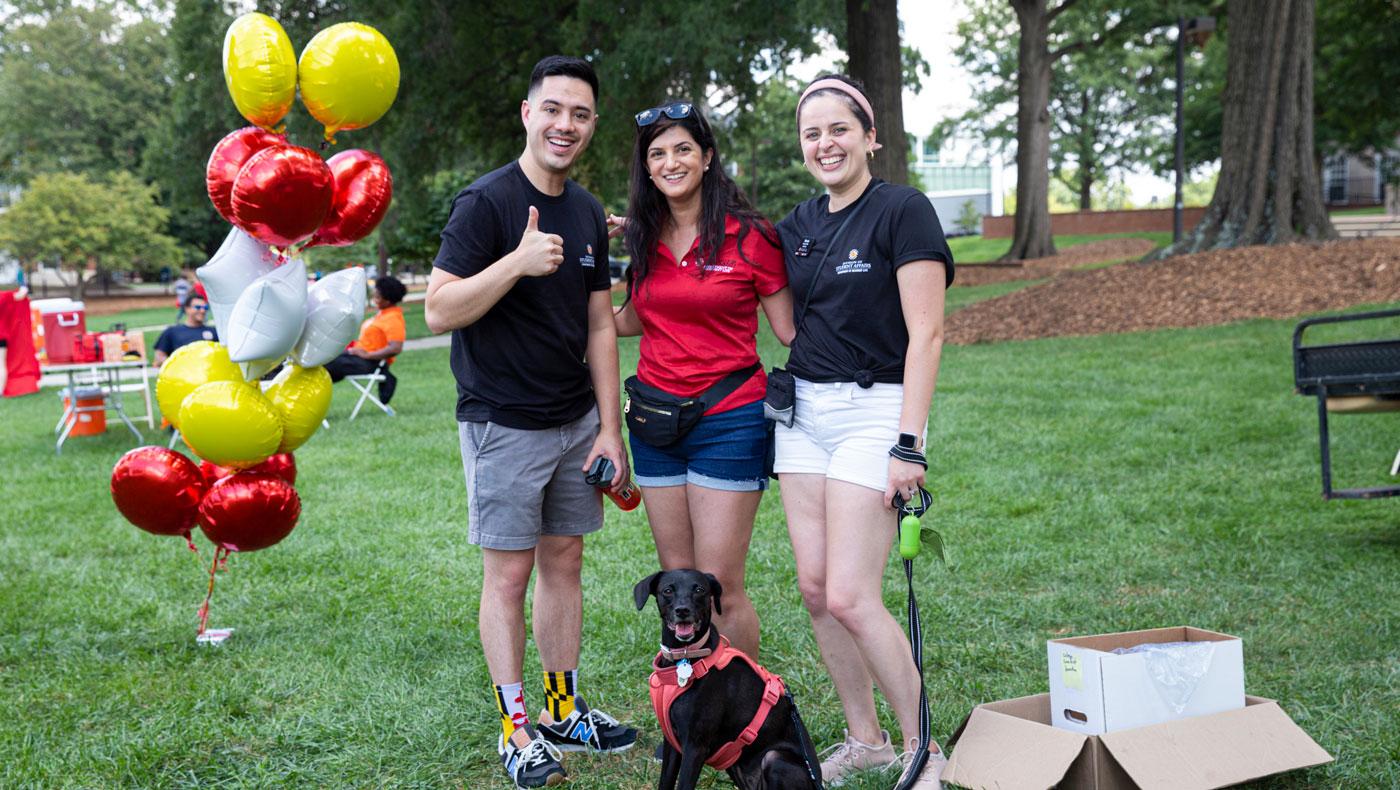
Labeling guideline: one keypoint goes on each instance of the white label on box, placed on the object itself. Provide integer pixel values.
(1072, 673)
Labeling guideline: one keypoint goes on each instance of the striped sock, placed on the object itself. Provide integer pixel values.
(559, 690)
(510, 701)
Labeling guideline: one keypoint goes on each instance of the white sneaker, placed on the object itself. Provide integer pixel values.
(929, 779)
(841, 760)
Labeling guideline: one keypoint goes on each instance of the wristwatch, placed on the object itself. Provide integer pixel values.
(908, 441)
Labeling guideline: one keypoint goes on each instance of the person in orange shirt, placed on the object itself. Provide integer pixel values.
(381, 338)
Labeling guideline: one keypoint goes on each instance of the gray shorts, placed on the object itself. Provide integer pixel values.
(522, 484)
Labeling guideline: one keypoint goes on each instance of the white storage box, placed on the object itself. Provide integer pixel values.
(1094, 690)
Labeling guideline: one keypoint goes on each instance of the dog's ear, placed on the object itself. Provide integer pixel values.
(715, 592)
(645, 589)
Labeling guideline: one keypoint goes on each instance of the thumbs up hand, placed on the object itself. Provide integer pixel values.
(539, 254)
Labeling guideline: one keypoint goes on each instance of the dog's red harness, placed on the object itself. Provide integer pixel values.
(666, 687)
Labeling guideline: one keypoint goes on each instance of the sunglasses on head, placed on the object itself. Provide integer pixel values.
(675, 111)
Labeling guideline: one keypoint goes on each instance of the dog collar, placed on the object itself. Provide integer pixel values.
(682, 653)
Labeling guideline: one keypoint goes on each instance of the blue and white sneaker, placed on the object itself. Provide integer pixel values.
(536, 765)
(589, 730)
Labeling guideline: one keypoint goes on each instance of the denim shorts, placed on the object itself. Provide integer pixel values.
(724, 451)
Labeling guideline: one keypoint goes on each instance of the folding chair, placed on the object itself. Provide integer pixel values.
(368, 385)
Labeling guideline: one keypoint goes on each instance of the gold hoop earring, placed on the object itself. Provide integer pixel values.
(870, 155)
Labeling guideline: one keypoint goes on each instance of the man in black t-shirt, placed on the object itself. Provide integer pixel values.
(521, 281)
(196, 309)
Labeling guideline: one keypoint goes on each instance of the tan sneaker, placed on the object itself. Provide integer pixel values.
(933, 769)
(841, 760)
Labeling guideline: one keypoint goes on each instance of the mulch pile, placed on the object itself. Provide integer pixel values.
(1069, 258)
(1203, 289)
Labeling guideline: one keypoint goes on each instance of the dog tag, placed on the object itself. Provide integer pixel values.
(683, 673)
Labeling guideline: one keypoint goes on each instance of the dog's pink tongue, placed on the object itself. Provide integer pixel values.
(685, 630)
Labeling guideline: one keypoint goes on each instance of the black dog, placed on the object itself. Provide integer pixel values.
(724, 694)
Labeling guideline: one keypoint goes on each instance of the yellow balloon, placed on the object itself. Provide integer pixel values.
(349, 77)
(260, 68)
(301, 396)
(230, 423)
(190, 366)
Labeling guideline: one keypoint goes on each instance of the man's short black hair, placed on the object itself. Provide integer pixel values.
(390, 288)
(564, 66)
(189, 300)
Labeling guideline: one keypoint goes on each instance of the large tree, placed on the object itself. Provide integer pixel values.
(87, 227)
(81, 86)
(198, 115)
(1268, 191)
(1044, 40)
(873, 46)
(1109, 107)
(1357, 71)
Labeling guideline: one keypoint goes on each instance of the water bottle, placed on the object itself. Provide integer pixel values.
(600, 476)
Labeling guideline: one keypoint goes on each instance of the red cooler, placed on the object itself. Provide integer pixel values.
(63, 330)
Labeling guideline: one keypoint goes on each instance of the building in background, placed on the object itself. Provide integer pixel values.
(955, 174)
(1349, 180)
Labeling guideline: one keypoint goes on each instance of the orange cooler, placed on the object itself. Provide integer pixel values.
(87, 423)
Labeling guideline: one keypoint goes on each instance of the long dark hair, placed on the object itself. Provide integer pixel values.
(647, 210)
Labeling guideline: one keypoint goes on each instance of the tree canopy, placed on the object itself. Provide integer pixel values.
(111, 224)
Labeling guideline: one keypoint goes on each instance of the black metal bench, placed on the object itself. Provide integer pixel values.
(1355, 378)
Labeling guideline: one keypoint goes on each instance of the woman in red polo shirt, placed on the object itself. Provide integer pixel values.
(703, 262)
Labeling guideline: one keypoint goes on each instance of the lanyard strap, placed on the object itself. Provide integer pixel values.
(812, 287)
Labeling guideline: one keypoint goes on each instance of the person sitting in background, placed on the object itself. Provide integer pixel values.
(381, 338)
(182, 295)
(196, 308)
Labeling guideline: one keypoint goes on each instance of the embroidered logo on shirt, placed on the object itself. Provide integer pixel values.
(853, 264)
(586, 260)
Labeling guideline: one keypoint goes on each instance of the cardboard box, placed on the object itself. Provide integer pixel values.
(1010, 745)
(1094, 690)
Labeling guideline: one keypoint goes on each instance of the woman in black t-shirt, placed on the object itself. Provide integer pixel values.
(868, 266)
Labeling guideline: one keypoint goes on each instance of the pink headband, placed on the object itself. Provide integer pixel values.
(846, 88)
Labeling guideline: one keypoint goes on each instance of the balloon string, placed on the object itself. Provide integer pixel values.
(189, 541)
(217, 564)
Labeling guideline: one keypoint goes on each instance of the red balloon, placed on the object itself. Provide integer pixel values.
(282, 195)
(281, 464)
(249, 511)
(228, 158)
(158, 490)
(363, 190)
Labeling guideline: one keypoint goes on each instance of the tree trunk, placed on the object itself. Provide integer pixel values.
(1269, 191)
(1032, 238)
(873, 45)
(1087, 158)
(382, 251)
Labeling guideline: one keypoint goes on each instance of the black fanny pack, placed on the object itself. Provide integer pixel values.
(780, 399)
(661, 419)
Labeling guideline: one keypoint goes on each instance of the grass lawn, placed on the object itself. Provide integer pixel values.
(1083, 485)
(1359, 210)
(975, 249)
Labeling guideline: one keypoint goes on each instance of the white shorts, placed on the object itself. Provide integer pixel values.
(842, 431)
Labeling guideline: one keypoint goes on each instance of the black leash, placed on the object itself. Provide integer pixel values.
(916, 641)
(809, 759)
